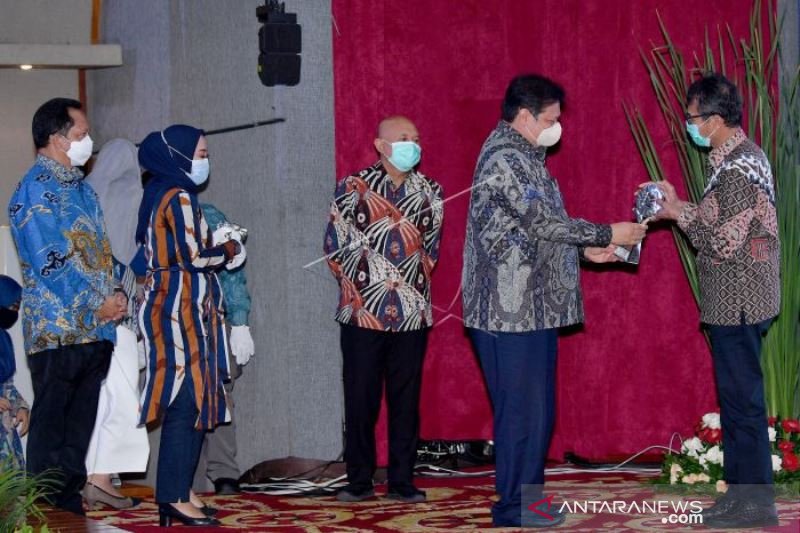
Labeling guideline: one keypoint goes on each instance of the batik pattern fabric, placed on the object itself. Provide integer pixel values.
(10, 445)
(521, 252)
(382, 243)
(182, 316)
(735, 232)
(57, 225)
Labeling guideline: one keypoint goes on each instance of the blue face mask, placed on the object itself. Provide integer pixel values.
(200, 170)
(405, 155)
(694, 132)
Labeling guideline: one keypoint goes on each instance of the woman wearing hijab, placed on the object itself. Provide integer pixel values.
(118, 443)
(14, 414)
(182, 315)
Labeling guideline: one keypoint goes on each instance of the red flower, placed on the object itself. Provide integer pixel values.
(790, 462)
(771, 420)
(786, 446)
(710, 436)
(791, 426)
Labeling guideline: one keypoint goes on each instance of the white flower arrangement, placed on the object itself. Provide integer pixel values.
(776, 463)
(701, 458)
(714, 456)
(693, 447)
(711, 421)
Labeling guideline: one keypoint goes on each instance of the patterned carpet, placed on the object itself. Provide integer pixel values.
(460, 504)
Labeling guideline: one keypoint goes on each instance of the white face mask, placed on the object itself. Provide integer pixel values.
(80, 151)
(200, 170)
(200, 167)
(549, 136)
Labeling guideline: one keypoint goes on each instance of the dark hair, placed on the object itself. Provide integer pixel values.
(717, 95)
(53, 117)
(531, 92)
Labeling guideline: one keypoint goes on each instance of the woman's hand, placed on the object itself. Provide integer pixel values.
(232, 248)
(5, 405)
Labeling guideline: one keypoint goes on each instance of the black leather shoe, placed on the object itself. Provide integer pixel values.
(554, 517)
(406, 494)
(226, 486)
(353, 493)
(746, 514)
(724, 505)
(166, 512)
(532, 519)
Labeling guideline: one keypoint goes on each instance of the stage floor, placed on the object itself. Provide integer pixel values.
(460, 504)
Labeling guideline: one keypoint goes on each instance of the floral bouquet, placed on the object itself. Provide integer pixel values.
(701, 459)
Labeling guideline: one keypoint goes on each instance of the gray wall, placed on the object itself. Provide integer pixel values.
(789, 11)
(195, 62)
(21, 21)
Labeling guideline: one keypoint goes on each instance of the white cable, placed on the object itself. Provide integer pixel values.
(672, 439)
(574, 470)
(449, 472)
(288, 486)
(281, 487)
(631, 458)
(568, 470)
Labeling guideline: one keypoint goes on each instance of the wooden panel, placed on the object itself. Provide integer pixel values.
(58, 520)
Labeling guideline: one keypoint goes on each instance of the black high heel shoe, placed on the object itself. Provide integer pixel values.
(166, 512)
(208, 510)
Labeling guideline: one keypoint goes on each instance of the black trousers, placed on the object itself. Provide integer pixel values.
(736, 351)
(180, 447)
(66, 387)
(370, 358)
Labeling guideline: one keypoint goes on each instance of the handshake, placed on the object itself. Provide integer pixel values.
(228, 232)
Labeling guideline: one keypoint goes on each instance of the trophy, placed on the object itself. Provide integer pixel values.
(229, 230)
(647, 202)
(646, 207)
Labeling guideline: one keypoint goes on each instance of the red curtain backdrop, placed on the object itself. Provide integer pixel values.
(639, 369)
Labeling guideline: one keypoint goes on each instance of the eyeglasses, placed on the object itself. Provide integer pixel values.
(701, 115)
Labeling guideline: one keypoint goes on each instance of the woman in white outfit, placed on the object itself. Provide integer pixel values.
(118, 443)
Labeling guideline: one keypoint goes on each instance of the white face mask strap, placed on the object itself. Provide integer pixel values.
(171, 149)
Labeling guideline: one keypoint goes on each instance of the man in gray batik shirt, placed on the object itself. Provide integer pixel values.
(521, 283)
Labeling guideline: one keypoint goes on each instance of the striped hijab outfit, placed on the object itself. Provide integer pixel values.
(182, 315)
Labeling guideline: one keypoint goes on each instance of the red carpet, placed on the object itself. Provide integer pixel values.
(460, 504)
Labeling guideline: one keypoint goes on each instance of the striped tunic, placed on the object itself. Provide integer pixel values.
(181, 318)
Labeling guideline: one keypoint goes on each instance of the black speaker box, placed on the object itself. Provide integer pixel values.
(281, 38)
(279, 69)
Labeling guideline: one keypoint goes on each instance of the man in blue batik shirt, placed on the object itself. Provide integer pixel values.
(69, 299)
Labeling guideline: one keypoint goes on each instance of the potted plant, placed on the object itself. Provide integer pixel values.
(19, 493)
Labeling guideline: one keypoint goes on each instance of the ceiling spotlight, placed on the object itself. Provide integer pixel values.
(26, 67)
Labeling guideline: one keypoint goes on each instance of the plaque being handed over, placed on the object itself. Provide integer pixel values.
(646, 207)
